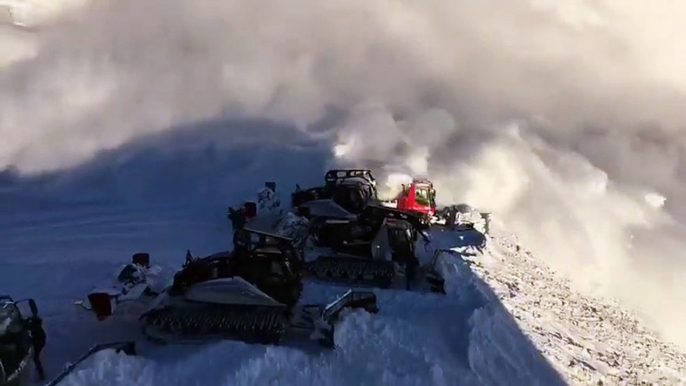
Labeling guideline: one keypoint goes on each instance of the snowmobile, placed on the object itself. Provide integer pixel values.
(21, 341)
(250, 294)
(352, 189)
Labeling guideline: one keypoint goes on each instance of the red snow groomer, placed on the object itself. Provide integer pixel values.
(418, 196)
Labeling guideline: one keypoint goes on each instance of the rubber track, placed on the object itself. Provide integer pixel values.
(250, 324)
(381, 273)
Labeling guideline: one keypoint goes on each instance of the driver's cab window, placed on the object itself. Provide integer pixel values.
(422, 196)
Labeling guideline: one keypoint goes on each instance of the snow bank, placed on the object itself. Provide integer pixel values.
(588, 339)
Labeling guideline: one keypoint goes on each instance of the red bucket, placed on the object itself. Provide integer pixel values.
(101, 304)
(250, 209)
(141, 259)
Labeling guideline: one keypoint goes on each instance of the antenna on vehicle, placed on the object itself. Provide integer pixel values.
(189, 258)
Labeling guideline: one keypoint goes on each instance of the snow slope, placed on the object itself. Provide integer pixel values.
(415, 339)
(505, 320)
(502, 322)
(64, 233)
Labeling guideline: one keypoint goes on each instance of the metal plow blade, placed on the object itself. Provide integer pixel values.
(320, 320)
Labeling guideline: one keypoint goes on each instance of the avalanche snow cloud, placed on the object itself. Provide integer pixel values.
(562, 117)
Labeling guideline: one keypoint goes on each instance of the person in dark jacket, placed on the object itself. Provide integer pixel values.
(411, 272)
(34, 325)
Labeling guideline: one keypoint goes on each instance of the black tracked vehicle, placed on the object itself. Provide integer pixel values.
(21, 341)
(372, 248)
(251, 294)
(352, 189)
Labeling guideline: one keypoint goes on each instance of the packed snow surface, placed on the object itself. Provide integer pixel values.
(505, 320)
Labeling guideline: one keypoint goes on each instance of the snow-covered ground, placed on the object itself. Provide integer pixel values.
(505, 320)
(589, 340)
(415, 339)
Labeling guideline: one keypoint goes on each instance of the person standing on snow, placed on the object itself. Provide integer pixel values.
(267, 200)
(34, 325)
